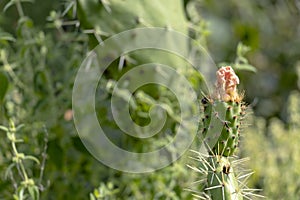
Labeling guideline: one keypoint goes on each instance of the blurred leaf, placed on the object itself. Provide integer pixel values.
(3, 86)
(32, 158)
(3, 128)
(223, 64)
(19, 127)
(12, 2)
(40, 83)
(242, 49)
(244, 67)
(92, 197)
(28, 1)
(241, 60)
(9, 170)
(55, 153)
(34, 192)
(6, 37)
(21, 194)
(9, 4)
(26, 21)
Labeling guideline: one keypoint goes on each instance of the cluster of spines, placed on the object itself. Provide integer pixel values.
(221, 180)
(225, 179)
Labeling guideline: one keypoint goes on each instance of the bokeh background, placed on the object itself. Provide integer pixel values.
(43, 42)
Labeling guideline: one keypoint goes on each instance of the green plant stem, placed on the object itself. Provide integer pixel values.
(44, 157)
(14, 148)
(23, 171)
(19, 8)
(19, 163)
(10, 71)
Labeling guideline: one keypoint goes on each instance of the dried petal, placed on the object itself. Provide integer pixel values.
(226, 84)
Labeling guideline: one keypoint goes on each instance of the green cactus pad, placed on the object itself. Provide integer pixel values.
(114, 16)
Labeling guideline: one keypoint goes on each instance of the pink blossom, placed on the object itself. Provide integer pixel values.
(226, 84)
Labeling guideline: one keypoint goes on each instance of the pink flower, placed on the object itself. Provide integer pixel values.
(68, 116)
(226, 84)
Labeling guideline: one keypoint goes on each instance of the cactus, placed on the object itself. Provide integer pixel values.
(106, 18)
(227, 99)
(114, 16)
(102, 19)
(222, 182)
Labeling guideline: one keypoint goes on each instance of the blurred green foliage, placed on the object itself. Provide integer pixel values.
(275, 158)
(43, 45)
(271, 29)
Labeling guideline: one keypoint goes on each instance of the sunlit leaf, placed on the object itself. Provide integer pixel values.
(3, 128)
(245, 67)
(6, 37)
